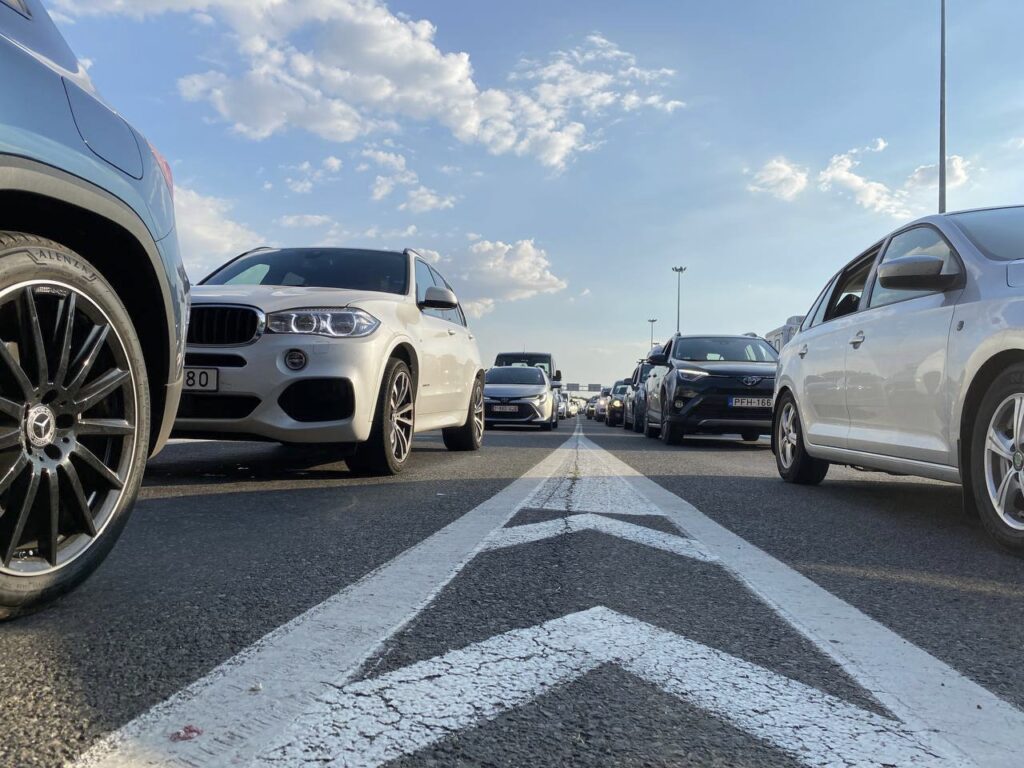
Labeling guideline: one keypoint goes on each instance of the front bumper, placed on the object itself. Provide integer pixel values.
(527, 412)
(710, 413)
(257, 399)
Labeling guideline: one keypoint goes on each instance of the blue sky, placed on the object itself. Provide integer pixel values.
(558, 158)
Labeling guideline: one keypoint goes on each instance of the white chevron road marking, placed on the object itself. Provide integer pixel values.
(528, 534)
(371, 722)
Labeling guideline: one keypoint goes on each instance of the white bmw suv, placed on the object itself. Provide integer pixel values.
(332, 345)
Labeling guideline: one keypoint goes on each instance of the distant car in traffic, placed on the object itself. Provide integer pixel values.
(520, 395)
(563, 406)
(616, 403)
(544, 360)
(636, 396)
(711, 385)
(591, 408)
(93, 302)
(358, 348)
(912, 361)
(601, 404)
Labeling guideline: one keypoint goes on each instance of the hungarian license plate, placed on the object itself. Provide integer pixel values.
(750, 402)
(506, 409)
(201, 379)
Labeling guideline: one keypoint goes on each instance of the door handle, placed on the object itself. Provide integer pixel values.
(857, 340)
(451, 332)
(803, 351)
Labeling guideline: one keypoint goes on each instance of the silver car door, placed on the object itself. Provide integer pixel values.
(461, 362)
(897, 389)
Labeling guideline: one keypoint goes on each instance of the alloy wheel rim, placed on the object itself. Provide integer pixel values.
(478, 412)
(68, 425)
(788, 435)
(1004, 461)
(402, 417)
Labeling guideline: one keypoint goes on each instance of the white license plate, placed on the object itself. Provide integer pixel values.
(201, 379)
(506, 409)
(750, 402)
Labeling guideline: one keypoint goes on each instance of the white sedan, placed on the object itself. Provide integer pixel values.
(329, 345)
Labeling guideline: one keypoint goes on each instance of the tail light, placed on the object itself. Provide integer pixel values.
(165, 169)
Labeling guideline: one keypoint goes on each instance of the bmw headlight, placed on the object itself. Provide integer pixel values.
(336, 323)
(690, 374)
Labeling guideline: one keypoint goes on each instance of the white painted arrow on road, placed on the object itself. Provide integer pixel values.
(638, 534)
(370, 722)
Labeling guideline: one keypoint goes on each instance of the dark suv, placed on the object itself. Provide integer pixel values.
(93, 300)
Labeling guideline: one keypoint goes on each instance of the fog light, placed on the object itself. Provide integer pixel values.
(679, 404)
(295, 359)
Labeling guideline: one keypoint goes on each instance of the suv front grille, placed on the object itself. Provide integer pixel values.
(223, 326)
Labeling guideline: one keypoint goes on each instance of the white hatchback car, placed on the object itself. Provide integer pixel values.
(330, 345)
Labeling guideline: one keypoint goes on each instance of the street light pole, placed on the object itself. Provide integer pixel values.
(942, 108)
(652, 321)
(679, 292)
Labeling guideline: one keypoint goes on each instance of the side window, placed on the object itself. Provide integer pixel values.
(817, 310)
(846, 297)
(18, 5)
(424, 280)
(451, 315)
(920, 241)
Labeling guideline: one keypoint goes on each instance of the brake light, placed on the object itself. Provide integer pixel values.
(165, 169)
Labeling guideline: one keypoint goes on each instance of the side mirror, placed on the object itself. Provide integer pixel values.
(558, 375)
(659, 359)
(439, 298)
(916, 273)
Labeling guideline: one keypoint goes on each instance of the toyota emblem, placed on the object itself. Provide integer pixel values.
(751, 381)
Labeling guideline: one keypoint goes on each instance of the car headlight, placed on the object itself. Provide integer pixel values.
(690, 374)
(336, 323)
(616, 402)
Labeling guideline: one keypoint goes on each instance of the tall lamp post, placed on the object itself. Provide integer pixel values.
(679, 291)
(652, 321)
(942, 108)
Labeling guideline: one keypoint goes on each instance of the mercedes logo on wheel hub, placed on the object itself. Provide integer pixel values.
(40, 426)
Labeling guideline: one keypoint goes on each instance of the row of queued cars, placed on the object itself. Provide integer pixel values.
(106, 349)
(909, 362)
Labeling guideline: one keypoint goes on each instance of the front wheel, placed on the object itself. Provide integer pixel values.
(470, 436)
(74, 421)
(671, 434)
(795, 465)
(997, 459)
(394, 422)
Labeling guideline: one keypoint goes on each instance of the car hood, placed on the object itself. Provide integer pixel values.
(514, 390)
(274, 298)
(729, 368)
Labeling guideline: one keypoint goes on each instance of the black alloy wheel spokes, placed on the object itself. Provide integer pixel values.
(67, 425)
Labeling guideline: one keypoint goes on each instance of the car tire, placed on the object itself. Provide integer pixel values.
(554, 424)
(89, 392)
(650, 430)
(470, 436)
(638, 422)
(671, 434)
(394, 424)
(987, 467)
(750, 437)
(795, 465)
(546, 426)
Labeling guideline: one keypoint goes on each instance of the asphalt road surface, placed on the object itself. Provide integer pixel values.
(564, 598)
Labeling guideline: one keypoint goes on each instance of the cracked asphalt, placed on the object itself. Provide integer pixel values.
(231, 541)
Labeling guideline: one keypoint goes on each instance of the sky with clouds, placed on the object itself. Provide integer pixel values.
(556, 160)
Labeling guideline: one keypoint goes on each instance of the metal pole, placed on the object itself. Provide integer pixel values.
(652, 322)
(679, 292)
(942, 109)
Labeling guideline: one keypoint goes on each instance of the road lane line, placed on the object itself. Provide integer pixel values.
(252, 696)
(370, 722)
(916, 687)
(638, 534)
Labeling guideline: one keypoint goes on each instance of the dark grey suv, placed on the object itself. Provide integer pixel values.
(93, 302)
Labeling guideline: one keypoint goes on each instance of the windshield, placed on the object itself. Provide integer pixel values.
(384, 271)
(619, 389)
(515, 375)
(997, 233)
(725, 349)
(524, 359)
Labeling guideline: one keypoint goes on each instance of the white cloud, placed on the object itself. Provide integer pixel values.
(332, 164)
(397, 173)
(423, 199)
(958, 172)
(872, 195)
(305, 220)
(299, 186)
(780, 178)
(499, 272)
(305, 177)
(207, 235)
(429, 255)
(342, 69)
